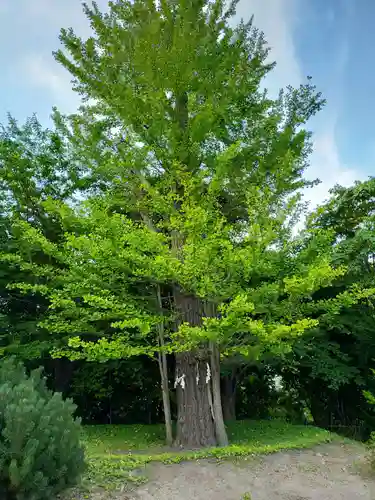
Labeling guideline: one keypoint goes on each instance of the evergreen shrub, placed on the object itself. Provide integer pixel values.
(40, 450)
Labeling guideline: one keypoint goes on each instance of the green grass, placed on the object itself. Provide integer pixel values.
(116, 454)
(109, 439)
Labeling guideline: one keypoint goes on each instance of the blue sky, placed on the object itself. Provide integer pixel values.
(331, 40)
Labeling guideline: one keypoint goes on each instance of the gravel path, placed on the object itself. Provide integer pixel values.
(329, 472)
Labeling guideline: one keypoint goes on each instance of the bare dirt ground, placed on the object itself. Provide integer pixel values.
(329, 472)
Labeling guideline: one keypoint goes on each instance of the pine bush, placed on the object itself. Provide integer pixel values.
(40, 450)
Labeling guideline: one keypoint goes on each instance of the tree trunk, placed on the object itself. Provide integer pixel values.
(229, 384)
(319, 412)
(221, 433)
(63, 371)
(195, 422)
(163, 367)
(199, 413)
(166, 400)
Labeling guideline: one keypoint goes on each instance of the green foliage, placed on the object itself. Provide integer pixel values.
(104, 271)
(370, 398)
(30, 155)
(256, 397)
(40, 450)
(371, 450)
(119, 391)
(35, 164)
(332, 365)
(346, 209)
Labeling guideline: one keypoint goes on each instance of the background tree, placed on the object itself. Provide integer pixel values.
(332, 365)
(35, 164)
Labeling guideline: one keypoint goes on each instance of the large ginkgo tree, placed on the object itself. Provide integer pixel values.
(194, 159)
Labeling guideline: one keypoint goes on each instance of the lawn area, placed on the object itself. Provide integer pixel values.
(116, 454)
(114, 439)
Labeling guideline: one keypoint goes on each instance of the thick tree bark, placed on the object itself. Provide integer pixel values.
(195, 423)
(199, 413)
(195, 416)
(228, 385)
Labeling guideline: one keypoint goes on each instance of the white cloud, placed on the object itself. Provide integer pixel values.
(45, 73)
(276, 18)
(57, 14)
(327, 166)
(40, 67)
